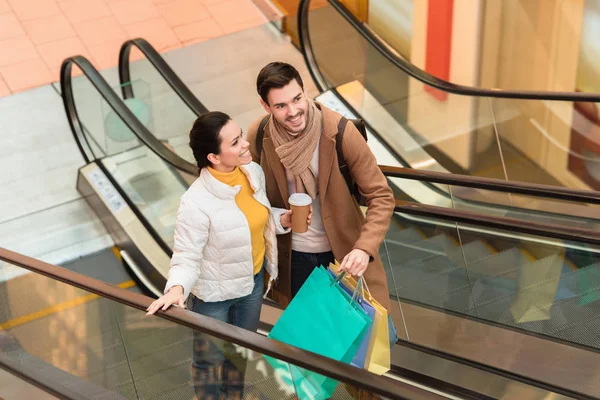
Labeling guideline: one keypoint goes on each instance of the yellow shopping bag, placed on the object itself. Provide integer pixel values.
(378, 353)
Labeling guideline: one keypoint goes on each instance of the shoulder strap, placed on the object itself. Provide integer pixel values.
(260, 134)
(340, 153)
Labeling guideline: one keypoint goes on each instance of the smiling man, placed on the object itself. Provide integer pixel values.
(298, 154)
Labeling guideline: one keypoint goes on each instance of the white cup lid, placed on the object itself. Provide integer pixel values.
(300, 199)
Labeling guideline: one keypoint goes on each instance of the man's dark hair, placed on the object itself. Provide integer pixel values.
(276, 75)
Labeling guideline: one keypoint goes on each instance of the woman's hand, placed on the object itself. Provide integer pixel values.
(286, 218)
(173, 296)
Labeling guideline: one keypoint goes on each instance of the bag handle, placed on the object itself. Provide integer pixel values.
(359, 286)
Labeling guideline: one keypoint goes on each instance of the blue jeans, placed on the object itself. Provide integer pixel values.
(302, 266)
(217, 369)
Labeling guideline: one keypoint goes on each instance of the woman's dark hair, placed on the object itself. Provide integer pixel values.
(204, 136)
(276, 75)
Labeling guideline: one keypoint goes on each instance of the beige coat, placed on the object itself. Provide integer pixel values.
(344, 223)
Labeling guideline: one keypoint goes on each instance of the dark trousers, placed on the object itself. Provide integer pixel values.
(303, 265)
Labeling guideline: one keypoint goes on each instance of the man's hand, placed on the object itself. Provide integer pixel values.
(286, 218)
(355, 262)
(173, 296)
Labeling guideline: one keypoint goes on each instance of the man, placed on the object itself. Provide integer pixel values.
(299, 155)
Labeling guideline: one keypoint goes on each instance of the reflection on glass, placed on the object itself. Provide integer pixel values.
(536, 284)
(152, 185)
(172, 119)
(426, 263)
(107, 350)
(455, 134)
(117, 135)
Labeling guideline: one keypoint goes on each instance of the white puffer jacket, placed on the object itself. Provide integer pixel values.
(212, 252)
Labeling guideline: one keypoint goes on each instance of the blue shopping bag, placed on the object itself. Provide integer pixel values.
(361, 354)
(322, 319)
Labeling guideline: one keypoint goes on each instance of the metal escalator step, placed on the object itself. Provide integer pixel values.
(401, 253)
(499, 264)
(408, 235)
(476, 251)
(583, 329)
(512, 299)
(440, 291)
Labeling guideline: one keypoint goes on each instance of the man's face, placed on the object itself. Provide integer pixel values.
(288, 106)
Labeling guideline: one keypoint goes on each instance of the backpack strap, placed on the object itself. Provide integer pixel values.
(340, 153)
(260, 134)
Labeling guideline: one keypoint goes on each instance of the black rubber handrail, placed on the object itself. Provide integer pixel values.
(412, 70)
(357, 377)
(108, 94)
(161, 67)
(497, 185)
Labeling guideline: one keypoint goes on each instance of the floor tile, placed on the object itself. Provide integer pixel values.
(180, 12)
(230, 13)
(4, 90)
(78, 11)
(48, 29)
(4, 7)
(198, 31)
(241, 26)
(17, 50)
(55, 52)
(100, 30)
(32, 9)
(26, 75)
(10, 26)
(131, 11)
(156, 31)
(105, 54)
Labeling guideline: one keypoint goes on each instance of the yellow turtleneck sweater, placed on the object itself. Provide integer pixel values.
(255, 213)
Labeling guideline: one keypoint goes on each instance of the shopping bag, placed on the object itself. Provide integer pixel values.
(322, 320)
(361, 354)
(378, 359)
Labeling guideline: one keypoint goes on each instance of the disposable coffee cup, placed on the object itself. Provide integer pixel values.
(300, 205)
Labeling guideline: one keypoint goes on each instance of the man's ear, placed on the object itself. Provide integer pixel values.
(265, 106)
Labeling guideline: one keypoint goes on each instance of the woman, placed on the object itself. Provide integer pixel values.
(224, 241)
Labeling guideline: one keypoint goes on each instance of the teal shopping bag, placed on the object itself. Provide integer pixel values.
(320, 319)
(361, 354)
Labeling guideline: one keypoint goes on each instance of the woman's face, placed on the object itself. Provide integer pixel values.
(235, 150)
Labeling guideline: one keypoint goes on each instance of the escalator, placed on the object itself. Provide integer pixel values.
(472, 131)
(86, 339)
(460, 281)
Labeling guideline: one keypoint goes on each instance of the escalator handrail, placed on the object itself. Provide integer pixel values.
(497, 185)
(109, 95)
(161, 67)
(573, 234)
(250, 340)
(411, 69)
(38, 380)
